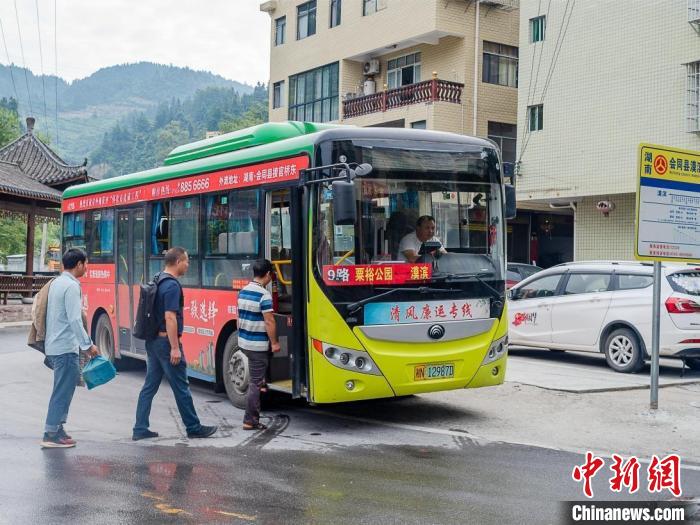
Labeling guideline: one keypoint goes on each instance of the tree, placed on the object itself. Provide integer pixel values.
(9, 126)
(256, 114)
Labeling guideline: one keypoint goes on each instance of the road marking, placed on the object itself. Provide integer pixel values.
(236, 515)
(477, 440)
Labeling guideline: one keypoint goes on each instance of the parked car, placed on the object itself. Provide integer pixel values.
(519, 271)
(607, 307)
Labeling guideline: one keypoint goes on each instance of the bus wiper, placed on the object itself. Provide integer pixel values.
(471, 275)
(354, 307)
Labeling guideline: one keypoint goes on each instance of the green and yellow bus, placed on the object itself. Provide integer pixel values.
(330, 206)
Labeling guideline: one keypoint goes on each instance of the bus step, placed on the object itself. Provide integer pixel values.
(281, 386)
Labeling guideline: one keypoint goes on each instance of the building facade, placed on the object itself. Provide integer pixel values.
(597, 78)
(407, 63)
(444, 65)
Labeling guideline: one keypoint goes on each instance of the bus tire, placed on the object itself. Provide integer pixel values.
(104, 337)
(235, 372)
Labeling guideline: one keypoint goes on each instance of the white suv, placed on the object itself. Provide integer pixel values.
(607, 307)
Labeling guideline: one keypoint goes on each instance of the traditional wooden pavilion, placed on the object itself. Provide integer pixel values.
(32, 179)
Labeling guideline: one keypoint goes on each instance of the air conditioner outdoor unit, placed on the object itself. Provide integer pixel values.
(371, 67)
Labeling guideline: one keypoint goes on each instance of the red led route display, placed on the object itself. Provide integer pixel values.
(227, 179)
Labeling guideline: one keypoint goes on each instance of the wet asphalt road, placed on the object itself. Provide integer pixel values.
(311, 466)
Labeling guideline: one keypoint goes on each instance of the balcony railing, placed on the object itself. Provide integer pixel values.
(434, 90)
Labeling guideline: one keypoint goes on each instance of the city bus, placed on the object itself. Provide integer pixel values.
(329, 205)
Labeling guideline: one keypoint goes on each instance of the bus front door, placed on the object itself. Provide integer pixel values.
(280, 247)
(130, 274)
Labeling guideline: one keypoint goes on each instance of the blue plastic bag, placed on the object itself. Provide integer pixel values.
(98, 371)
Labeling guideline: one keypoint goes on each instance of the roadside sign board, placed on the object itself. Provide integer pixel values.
(668, 224)
(668, 204)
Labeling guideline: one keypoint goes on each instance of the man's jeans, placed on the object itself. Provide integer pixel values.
(66, 373)
(257, 367)
(158, 364)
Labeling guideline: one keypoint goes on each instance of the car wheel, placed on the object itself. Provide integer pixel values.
(104, 337)
(693, 362)
(235, 372)
(623, 352)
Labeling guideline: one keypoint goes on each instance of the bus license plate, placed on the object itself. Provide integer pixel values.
(441, 371)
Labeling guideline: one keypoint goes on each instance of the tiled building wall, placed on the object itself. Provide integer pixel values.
(619, 80)
(604, 238)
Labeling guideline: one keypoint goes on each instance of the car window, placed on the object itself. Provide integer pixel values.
(633, 282)
(512, 275)
(543, 287)
(587, 283)
(685, 282)
(527, 271)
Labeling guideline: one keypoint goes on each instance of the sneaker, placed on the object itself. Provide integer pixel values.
(144, 435)
(62, 432)
(56, 441)
(204, 432)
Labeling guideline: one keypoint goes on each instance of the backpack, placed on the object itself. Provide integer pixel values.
(37, 331)
(145, 323)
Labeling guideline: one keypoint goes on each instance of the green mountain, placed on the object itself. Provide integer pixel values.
(90, 107)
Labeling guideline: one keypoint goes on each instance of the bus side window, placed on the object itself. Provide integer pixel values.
(160, 241)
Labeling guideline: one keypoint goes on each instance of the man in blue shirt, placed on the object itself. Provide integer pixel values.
(257, 335)
(164, 353)
(65, 334)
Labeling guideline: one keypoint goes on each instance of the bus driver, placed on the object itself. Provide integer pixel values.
(411, 242)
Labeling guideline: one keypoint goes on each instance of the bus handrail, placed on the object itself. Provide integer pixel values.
(278, 270)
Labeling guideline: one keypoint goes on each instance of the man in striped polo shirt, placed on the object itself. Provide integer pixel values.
(257, 334)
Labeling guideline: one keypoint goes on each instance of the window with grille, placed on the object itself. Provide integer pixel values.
(505, 135)
(537, 28)
(277, 94)
(403, 71)
(335, 13)
(280, 30)
(693, 97)
(306, 19)
(313, 95)
(372, 6)
(534, 117)
(500, 64)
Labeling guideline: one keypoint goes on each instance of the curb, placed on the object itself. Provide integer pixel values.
(15, 324)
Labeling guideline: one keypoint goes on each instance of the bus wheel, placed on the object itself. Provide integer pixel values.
(235, 373)
(104, 337)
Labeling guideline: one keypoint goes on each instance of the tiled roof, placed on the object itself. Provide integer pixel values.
(41, 163)
(14, 181)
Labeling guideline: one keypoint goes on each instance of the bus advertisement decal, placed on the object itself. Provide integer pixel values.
(227, 179)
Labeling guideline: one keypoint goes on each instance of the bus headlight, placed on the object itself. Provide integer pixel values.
(498, 349)
(347, 358)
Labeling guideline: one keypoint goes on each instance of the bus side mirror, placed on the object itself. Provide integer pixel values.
(511, 209)
(344, 207)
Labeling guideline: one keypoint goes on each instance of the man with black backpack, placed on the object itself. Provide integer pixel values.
(162, 329)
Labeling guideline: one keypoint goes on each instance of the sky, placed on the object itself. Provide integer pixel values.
(226, 37)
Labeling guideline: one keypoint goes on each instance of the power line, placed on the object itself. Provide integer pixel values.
(533, 86)
(55, 48)
(41, 61)
(24, 65)
(556, 58)
(552, 65)
(9, 62)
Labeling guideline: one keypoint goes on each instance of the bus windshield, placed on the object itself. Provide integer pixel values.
(423, 217)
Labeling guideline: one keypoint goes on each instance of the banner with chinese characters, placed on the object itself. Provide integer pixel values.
(371, 274)
(228, 179)
(668, 204)
(426, 311)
